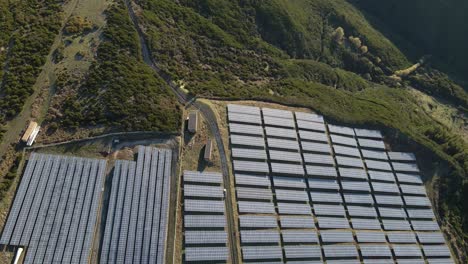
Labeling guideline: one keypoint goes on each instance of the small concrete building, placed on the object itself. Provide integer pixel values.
(193, 122)
(208, 150)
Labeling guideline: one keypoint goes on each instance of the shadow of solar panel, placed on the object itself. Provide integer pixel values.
(402, 237)
(309, 117)
(332, 236)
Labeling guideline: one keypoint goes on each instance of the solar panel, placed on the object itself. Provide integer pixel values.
(318, 159)
(331, 210)
(294, 209)
(341, 130)
(421, 213)
(369, 143)
(252, 180)
(353, 173)
(243, 109)
(401, 237)
(413, 189)
(311, 117)
(343, 261)
(357, 198)
(289, 195)
(378, 165)
(205, 237)
(261, 252)
(247, 141)
(283, 144)
(355, 185)
(206, 253)
(331, 222)
(207, 206)
(203, 191)
(315, 147)
(349, 151)
(381, 176)
(417, 201)
(332, 236)
(440, 261)
(299, 236)
(392, 212)
(164, 208)
(368, 133)
(323, 184)
(257, 221)
(431, 237)
(314, 136)
(361, 211)
(289, 182)
(407, 167)
(340, 251)
(375, 250)
(281, 132)
(329, 197)
(370, 224)
(253, 130)
(285, 156)
(349, 141)
(202, 221)
(321, 171)
(256, 207)
(396, 224)
(411, 261)
(260, 236)
(304, 251)
(254, 193)
(410, 178)
(385, 187)
(351, 162)
(284, 168)
(245, 118)
(281, 122)
(207, 177)
(277, 113)
(378, 261)
(296, 222)
(407, 251)
(389, 199)
(403, 156)
(425, 225)
(374, 154)
(302, 124)
(370, 237)
(251, 166)
(241, 153)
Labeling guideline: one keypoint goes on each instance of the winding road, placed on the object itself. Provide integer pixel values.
(210, 117)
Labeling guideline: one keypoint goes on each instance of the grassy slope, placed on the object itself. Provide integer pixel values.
(231, 50)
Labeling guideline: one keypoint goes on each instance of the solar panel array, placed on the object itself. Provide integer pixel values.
(55, 209)
(329, 180)
(137, 215)
(204, 220)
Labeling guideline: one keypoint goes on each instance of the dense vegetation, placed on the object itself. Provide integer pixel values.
(28, 29)
(320, 54)
(120, 91)
(426, 27)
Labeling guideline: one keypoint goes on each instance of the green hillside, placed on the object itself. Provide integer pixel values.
(321, 54)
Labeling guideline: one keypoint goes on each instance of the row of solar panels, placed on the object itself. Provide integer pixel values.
(205, 237)
(136, 223)
(55, 209)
